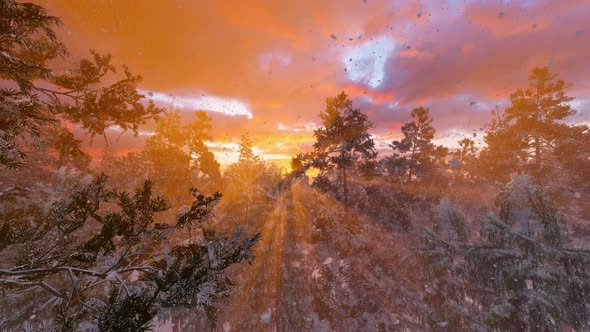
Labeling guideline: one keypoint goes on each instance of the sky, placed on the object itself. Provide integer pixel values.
(265, 68)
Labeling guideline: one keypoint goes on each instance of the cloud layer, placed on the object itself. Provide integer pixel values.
(267, 66)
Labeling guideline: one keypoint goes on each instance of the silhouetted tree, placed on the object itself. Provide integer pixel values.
(504, 152)
(178, 150)
(343, 139)
(246, 149)
(415, 155)
(39, 97)
(462, 161)
(466, 152)
(250, 182)
(534, 112)
(68, 148)
(297, 164)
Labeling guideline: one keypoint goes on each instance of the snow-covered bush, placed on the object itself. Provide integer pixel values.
(448, 222)
(80, 264)
(530, 211)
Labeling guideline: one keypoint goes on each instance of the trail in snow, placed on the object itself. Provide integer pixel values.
(315, 271)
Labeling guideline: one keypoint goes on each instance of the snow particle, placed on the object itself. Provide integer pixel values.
(265, 317)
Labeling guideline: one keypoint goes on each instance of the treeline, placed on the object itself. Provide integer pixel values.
(531, 136)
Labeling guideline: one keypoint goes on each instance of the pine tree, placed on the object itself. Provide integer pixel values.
(462, 161)
(448, 222)
(415, 155)
(536, 110)
(68, 148)
(169, 163)
(444, 287)
(113, 267)
(522, 274)
(41, 98)
(572, 150)
(343, 140)
(246, 150)
(504, 150)
(249, 183)
(128, 170)
(178, 150)
(198, 133)
(466, 152)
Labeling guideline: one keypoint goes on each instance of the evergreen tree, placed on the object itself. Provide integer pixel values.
(521, 275)
(176, 151)
(128, 170)
(535, 111)
(40, 97)
(462, 162)
(415, 155)
(297, 164)
(246, 150)
(504, 151)
(448, 222)
(441, 276)
(114, 269)
(169, 163)
(466, 153)
(198, 133)
(572, 150)
(343, 140)
(68, 148)
(250, 181)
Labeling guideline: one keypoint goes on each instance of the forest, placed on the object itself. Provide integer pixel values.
(420, 237)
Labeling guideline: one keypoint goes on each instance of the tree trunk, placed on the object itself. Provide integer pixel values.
(345, 191)
(537, 138)
(537, 154)
(412, 161)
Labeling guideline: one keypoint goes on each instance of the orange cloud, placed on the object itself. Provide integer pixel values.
(282, 59)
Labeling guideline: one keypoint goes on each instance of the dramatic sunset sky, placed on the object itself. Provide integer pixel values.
(266, 67)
